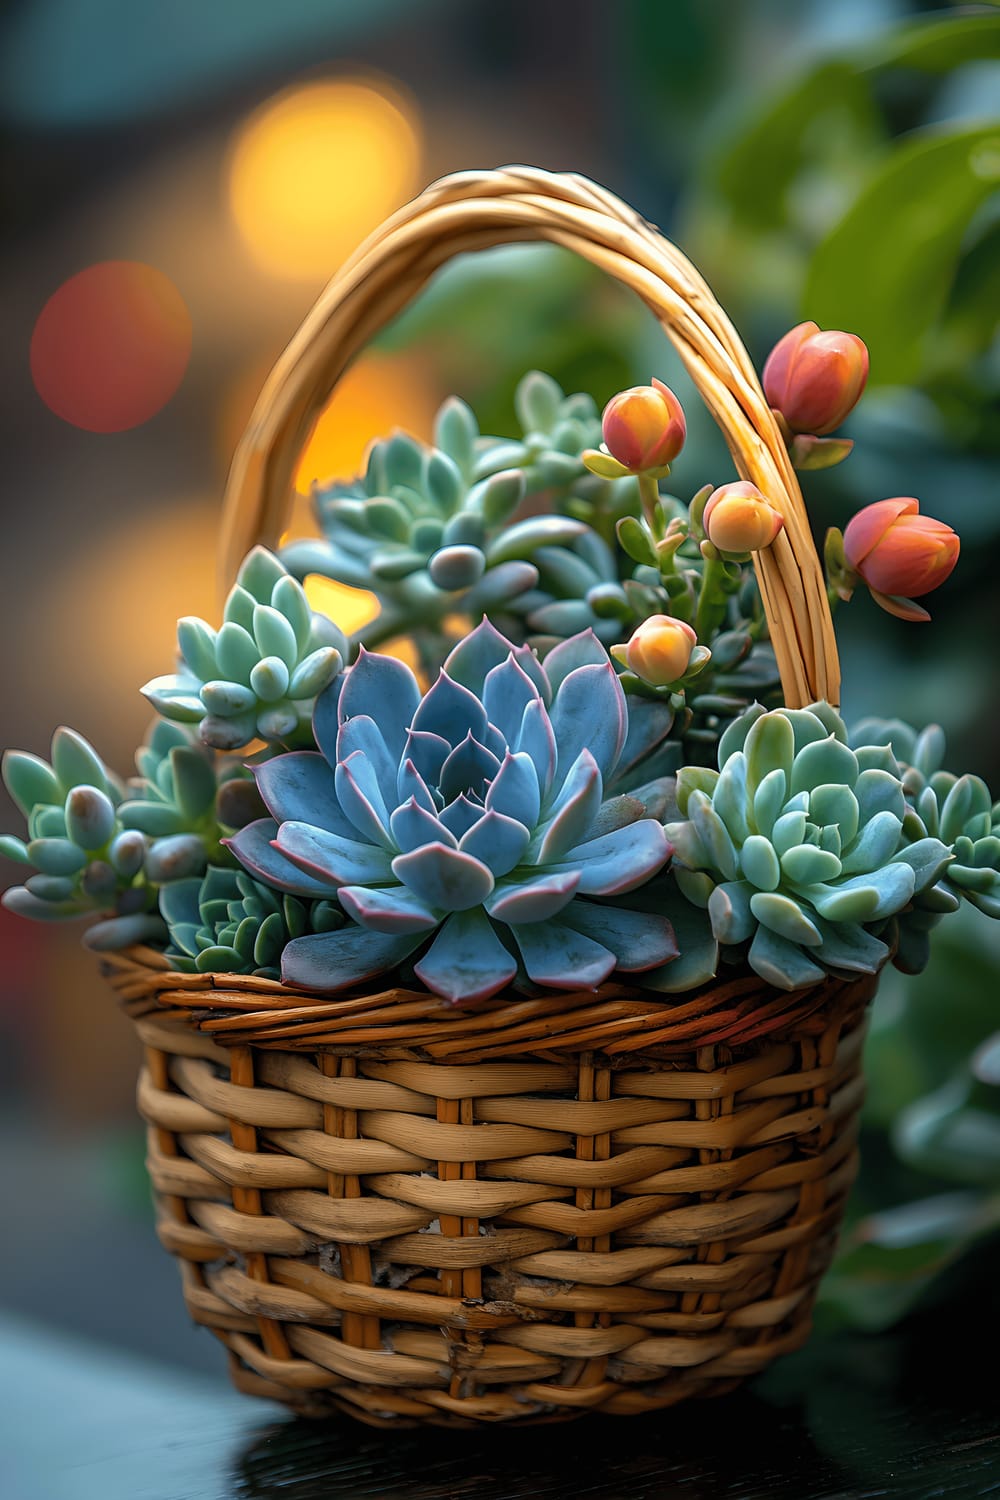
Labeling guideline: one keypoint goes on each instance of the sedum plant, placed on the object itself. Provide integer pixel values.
(225, 922)
(83, 858)
(796, 846)
(257, 677)
(472, 823)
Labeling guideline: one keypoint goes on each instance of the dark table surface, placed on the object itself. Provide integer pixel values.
(915, 1413)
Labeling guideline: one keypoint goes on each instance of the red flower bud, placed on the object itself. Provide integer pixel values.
(659, 651)
(814, 378)
(897, 551)
(644, 427)
(738, 518)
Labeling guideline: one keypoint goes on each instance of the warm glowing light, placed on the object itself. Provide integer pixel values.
(376, 395)
(111, 345)
(318, 167)
(349, 608)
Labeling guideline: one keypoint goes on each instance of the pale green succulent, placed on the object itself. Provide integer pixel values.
(432, 530)
(959, 811)
(186, 799)
(258, 676)
(228, 923)
(796, 846)
(84, 860)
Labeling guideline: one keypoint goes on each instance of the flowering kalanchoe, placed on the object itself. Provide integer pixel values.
(258, 676)
(797, 846)
(473, 818)
(896, 551)
(226, 922)
(813, 378)
(84, 860)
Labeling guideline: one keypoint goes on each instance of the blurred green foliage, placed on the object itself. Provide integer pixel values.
(850, 177)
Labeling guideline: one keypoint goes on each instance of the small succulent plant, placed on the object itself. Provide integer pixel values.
(959, 811)
(84, 860)
(797, 846)
(258, 676)
(185, 798)
(474, 817)
(226, 922)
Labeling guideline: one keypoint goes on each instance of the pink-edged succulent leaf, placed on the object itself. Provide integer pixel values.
(330, 856)
(618, 861)
(361, 799)
(559, 957)
(589, 712)
(499, 842)
(410, 783)
(536, 739)
(469, 768)
(466, 961)
(573, 811)
(334, 960)
(444, 877)
(638, 940)
(382, 680)
(450, 710)
(392, 910)
(255, 850)
(514, 790)
(533, 900)
(363, 733)
(412, 827)
(300, 785)
(506, 694)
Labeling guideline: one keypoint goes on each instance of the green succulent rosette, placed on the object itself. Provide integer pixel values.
(84, 860)
(227, 922)
(257, 677)
(795, 848)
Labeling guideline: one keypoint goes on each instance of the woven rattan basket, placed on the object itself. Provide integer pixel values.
(603, 1200)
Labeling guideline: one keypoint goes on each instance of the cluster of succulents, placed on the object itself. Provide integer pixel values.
(257, 677)
(473, 818)
(796, 846)
(601, 775)
(84, 859)
(225, 922)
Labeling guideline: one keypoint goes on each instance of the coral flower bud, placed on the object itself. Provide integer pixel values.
(738, 518)
(659, 651)
(814, 378)
(644, 427)
(897, 551)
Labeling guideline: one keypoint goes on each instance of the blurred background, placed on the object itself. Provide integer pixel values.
(180, 182)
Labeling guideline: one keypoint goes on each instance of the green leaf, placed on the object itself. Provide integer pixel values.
(455, 433)
(537, 401)
(76, 762)
(236, 652)
(197, 646)
(194, 782)
(935, 45)
(905, 229)
(30, 780)
(767, 154)
(785, 917)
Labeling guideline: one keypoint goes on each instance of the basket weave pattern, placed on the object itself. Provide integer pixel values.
(496, 1217)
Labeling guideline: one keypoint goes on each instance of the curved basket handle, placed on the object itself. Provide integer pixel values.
(476, 210)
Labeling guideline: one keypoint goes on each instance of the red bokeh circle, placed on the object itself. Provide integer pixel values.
(111, 345)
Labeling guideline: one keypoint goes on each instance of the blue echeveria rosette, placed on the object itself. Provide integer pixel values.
(471, 820)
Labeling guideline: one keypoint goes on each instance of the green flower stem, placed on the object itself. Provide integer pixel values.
(649, 494)
(711, 608)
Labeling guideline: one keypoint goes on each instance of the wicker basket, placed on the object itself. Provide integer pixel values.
(602, 1200)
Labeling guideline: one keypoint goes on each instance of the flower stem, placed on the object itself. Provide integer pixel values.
(711, 608)
(649, 494)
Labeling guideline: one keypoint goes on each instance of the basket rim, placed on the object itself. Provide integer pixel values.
(616, 1019)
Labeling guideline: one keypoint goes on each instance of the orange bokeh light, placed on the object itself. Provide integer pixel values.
(111, 346)
(319, 166)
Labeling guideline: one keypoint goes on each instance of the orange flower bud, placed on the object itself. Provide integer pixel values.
(659, 651)
(897, 551)
(644, 427)
(738, 518)
(814, 378)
